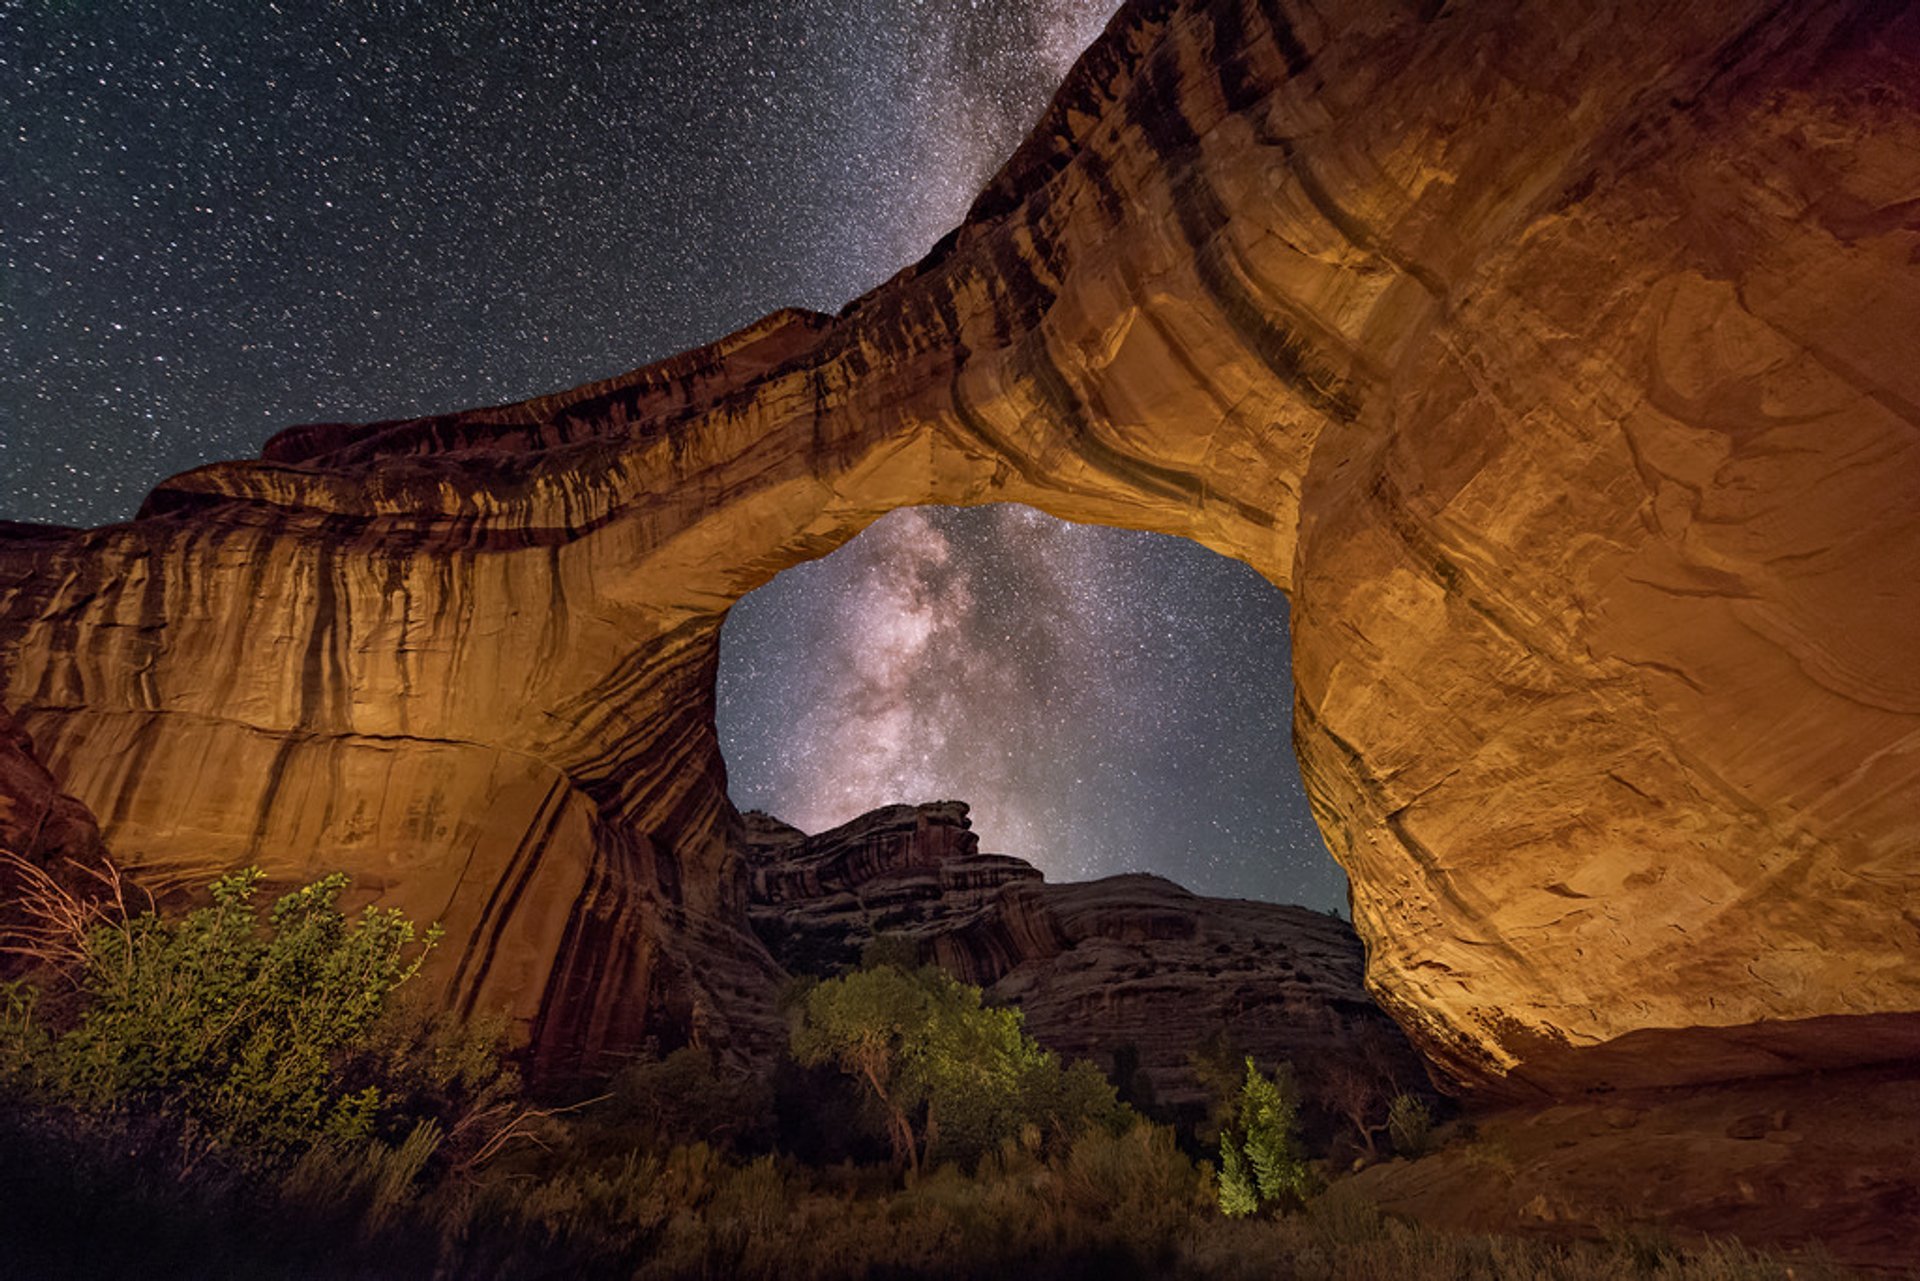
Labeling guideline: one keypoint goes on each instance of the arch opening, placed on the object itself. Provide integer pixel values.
(1106, 700)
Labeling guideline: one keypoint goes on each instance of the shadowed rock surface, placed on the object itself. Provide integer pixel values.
(1556, 359)
(1828, 1159)
(39, 822)
(1126, 963)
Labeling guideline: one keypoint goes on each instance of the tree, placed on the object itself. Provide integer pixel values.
(1357, 1096)
(1359, 1085)
(1239, 1196)
(1262, 1161)
(1215, 1063)
(867, 1024)
(689, 1097)
(952, 1078)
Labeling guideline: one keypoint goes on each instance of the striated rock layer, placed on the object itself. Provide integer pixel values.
(1556, 359)
(1122, 965)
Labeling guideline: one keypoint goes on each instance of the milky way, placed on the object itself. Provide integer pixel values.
(228, 216)
(1107, 701)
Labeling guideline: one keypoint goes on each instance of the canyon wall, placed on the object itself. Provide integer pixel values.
(39, 822)
(1133, 972)
(1556, 359)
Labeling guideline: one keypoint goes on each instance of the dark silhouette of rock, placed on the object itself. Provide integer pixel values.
(1131, 966)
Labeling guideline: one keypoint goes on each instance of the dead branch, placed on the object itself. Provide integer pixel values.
(519, 1125)
(52, 924)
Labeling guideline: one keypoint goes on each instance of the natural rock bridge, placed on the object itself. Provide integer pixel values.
(1557, 360)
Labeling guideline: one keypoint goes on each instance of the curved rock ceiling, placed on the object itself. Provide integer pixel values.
(1557, 360)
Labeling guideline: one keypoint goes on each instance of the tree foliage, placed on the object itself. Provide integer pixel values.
(1409, 1125)
(953, 1078)
(235, 1023)
(1262, 1161)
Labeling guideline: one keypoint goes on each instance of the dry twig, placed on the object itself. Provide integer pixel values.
(518, 1125)
(52, 923)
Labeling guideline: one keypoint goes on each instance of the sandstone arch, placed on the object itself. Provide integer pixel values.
(1556, 359)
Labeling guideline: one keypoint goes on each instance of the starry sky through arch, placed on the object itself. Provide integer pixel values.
(222, 217)
(1106, 700)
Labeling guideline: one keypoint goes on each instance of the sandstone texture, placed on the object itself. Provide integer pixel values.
(1129, 966)
(1787, 1163)
(39, 822)
(1557, 360)
(909, 871)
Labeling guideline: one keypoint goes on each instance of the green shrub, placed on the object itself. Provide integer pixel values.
(1409, 1125)
(1138, 1179)
(22, 1038)
(234, 1024)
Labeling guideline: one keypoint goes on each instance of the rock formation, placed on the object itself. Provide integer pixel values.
(1772, 1161)
(1123, 964)
(914, 871)
(1556, 359)
(39, 822)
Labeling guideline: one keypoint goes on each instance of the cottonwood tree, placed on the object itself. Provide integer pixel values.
(952, 1078)
(1360, 1085)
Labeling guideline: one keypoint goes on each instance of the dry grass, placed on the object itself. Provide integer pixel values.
(1111, 1208)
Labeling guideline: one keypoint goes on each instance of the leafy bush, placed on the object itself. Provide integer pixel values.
(234, 1024)
(1138, 1179)
(22, 1038)
(1262, 1161)
(1409, 1125)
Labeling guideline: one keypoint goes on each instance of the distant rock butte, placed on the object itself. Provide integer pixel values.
(1097, 966)
(1557, 360)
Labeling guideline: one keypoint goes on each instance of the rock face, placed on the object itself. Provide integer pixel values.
(908, 870)
(52, 832)
(1556, 359)
(1126, 963)
(1779, 1162)
(39, 822)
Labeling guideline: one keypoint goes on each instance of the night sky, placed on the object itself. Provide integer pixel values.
(221, 218)
(1106, 701)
